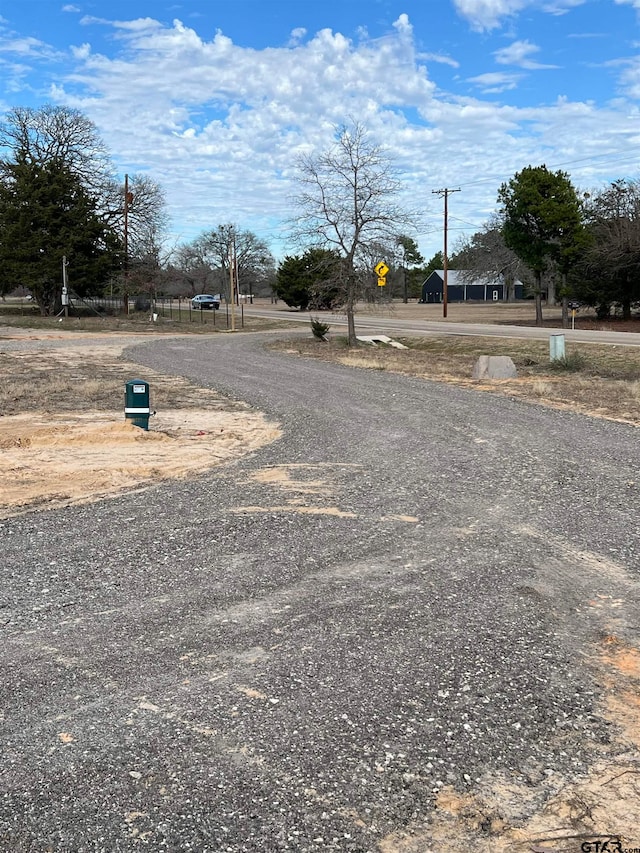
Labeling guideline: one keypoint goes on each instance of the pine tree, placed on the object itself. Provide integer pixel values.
(45, 215)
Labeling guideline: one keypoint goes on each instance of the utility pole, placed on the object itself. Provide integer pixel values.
(128, 198)
(445, 192)
(233, 278)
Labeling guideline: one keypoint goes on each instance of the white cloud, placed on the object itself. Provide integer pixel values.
(561, 7)
(587, 35)
(24, 46)
(403, 25)
(19, 55)
(297, 35)
(439, 58)
(81, 52)
(220, 125)
(630, 77)
(327, 75)
(139, 25)
(489, 14)
(495, 82)
(519, 53)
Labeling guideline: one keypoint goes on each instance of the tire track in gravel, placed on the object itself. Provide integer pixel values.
(581, 587)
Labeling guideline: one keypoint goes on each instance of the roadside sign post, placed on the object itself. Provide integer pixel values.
(574, 307)
(381, 269)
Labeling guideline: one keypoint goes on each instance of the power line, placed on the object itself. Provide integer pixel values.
(592, 160)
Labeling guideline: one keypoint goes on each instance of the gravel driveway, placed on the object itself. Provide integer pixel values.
(404, 595)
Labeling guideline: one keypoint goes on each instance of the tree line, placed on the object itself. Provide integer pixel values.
(563, 244)
(60, 200)
(61, 203)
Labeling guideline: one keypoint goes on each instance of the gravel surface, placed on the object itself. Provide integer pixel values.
(299, 651)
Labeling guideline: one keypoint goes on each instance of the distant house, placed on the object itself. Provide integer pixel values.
(462, 288)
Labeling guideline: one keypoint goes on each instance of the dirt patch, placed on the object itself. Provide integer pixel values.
(63, 442)
(306, 488)
(550, 813)
(282, 476)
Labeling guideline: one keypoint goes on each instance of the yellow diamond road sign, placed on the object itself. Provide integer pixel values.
(382, 269)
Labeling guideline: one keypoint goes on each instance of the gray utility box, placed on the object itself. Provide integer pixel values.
(136, 402)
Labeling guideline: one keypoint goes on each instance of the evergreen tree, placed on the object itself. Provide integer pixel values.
(46, 215)
(311, 279)
(291, 284)
(542, 221)
(54, 159)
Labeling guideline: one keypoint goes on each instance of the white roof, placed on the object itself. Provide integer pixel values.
(461, 277)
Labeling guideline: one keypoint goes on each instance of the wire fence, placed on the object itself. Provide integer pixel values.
(173, 308)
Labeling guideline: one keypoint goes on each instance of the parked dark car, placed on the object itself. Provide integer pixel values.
(204, 301)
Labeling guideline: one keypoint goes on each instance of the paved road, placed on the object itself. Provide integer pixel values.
(381, 323)
(300, 651)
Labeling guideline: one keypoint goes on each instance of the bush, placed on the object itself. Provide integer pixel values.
(319, 329)
(571, 363)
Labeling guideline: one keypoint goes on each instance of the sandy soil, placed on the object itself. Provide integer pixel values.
(61, 459)
(53, 458)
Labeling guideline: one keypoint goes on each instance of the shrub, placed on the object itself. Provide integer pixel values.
(319, 329)
(572, 362)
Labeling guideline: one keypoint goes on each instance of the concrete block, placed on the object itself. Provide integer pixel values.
(380, 339)
(494, 367)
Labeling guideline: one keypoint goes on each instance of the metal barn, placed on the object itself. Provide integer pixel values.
(461, 288)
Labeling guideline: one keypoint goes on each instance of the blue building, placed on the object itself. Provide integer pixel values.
(462, 288)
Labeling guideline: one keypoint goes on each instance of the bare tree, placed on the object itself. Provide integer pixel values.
(485, 253)
(53, 134)
(54, 165)
(347, 202)
(254, 261)
(610, 262)
(192, 265)
(146, 210)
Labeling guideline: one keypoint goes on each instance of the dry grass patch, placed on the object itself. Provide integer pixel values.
(58, 380)
(140, 323)
(603, 381)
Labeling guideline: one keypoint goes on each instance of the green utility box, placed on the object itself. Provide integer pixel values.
(136, 402)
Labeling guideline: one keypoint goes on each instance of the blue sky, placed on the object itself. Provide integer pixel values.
(216, 100)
